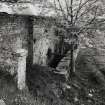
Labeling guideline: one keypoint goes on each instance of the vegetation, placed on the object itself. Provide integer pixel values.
(82, 16)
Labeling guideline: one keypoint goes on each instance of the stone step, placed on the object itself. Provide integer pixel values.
(61, 72)
(65, 59)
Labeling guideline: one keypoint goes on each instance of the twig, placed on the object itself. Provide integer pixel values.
(71, 7)
(86, 11)
(79, 7)
(67, 7)
(64, 15)
(88, 22)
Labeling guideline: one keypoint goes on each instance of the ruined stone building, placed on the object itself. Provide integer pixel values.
(21, 25)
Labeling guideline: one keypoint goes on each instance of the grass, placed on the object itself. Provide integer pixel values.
(77, 95)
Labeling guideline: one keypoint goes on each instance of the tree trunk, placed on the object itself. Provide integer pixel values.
(72, 62)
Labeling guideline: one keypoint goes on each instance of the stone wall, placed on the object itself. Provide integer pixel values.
(18, 33)
(44, 39)
(13, 36)
(41, 25)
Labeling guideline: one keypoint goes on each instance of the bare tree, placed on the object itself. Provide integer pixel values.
(81, 14)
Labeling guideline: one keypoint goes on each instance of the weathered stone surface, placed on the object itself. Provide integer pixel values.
(45, 47)
(21, 69)
(63, 65)
(2, 102)
(13, 35)
(41, 48)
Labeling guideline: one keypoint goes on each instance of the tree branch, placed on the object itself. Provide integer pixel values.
(71, 8)
(67, 7)
(63, 12)
(60, 9)
(89, 21)
(81, 6)
(56, 9)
